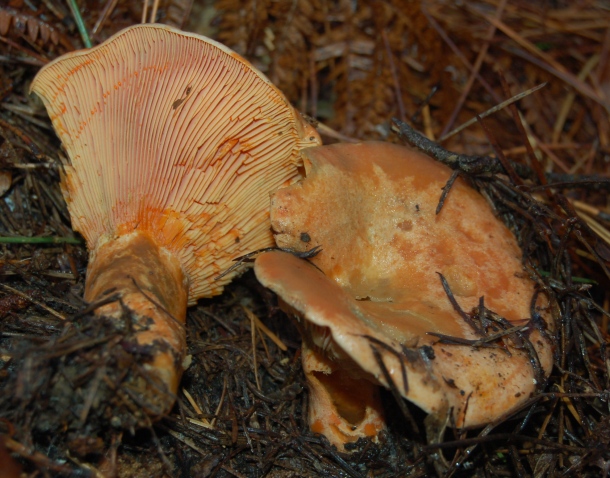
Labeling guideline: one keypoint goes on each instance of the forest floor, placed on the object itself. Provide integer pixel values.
(352, 66)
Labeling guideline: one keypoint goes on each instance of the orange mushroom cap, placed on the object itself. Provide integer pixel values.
(376, 288)
(174, 143)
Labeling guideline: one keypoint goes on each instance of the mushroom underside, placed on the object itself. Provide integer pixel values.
(174, 143)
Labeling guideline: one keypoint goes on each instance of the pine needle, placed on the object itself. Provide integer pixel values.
(33, 301)
(274, 338)
(490, 111)
(200, 420)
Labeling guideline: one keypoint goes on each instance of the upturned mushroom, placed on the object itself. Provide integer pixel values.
(174, 144)
(437, 307)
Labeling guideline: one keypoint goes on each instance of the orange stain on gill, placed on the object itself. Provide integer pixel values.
(167, 227)
(79, 66)
(170, 229)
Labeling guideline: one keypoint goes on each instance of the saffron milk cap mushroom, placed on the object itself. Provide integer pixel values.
(378, 292)
(174, 144)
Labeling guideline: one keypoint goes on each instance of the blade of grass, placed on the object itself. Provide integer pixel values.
(39, 240)
(80, 24)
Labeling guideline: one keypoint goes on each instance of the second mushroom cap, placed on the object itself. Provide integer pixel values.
(377, 292)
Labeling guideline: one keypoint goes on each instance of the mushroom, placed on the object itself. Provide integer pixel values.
(174, 143)
(436, 307)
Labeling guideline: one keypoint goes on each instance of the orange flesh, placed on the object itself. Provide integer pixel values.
(342, 406)
(349, 404)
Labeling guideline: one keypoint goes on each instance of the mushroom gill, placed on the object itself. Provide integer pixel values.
(174, 144)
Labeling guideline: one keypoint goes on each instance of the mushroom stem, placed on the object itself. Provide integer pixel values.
(342, 406)
(154, 288)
